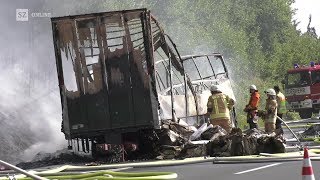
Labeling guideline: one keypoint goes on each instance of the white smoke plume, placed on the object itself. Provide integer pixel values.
(30, 109)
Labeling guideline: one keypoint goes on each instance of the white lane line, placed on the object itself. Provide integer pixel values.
(250, 170)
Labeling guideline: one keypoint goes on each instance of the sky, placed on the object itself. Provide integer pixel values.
(304, 9)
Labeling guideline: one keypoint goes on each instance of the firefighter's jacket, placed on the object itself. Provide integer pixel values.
(254, 102)
(220, 105)
(270, 111)
(252, 106)
(281, 100)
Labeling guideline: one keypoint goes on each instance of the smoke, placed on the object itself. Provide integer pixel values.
(29, 99)
(30, 115)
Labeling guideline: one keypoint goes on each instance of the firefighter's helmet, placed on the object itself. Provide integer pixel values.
(215, 88)
(253, 87)
(270, 92)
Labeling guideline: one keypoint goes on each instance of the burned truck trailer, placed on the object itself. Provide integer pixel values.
(121, 76)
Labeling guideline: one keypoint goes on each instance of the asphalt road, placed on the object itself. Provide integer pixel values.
(245, 171)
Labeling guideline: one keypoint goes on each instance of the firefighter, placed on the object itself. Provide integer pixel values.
(252, 107)
(218, 108)
(270, 113)
(281, 100)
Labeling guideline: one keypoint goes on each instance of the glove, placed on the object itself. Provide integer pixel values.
(246, 109)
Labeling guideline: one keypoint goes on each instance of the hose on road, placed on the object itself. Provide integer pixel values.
(100, 172)
(105, 174)
(114, 175)
(15, 168)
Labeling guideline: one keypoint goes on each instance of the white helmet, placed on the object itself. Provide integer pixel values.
(253, 87)
(270, 92)
(215, 88)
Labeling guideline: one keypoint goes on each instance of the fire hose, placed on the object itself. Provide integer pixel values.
(107, 174)
(261, 113)
(100, 172)
(300, 144)
(113, 175)
(31, 175)
(98, 175)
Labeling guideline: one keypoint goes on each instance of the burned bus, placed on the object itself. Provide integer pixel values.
(120, 76)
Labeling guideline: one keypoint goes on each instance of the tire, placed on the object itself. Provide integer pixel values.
(305, 114)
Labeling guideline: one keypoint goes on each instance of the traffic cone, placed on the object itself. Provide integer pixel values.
(307, 171)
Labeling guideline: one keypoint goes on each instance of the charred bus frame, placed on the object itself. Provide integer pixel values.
(107, 75)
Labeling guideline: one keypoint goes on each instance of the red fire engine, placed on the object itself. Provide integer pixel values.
(302, 89)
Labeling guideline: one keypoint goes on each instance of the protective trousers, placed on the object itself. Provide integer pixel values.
(250, 121)
(269, 127)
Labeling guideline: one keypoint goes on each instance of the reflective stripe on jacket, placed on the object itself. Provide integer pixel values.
(281, 100)
(219, 104)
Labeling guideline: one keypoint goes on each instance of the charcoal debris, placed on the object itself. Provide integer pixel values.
(168, 137)
(213, 133)
(270, 144)
(58, 158)
(193, 150)
(237, 143)
(313, 130)
(169, 152)
(254, 132)
(219, 146)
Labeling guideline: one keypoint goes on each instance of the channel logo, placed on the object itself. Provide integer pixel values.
(22, 14)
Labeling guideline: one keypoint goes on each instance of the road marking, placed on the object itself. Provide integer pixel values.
(250, 170)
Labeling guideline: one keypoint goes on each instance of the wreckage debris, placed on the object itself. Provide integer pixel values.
(270, 144)
(214, 141)
(169, 152)
(313, 130)
(213, 133)
(193, 150)
(219, 147)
